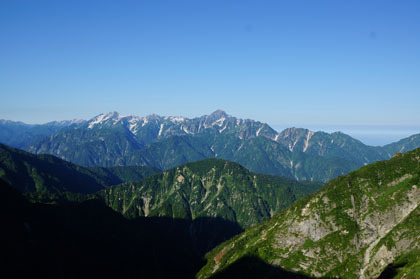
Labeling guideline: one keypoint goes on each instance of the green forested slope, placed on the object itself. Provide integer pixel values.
(174, 218)
(49, 174)
(208, 188)
(354, 227)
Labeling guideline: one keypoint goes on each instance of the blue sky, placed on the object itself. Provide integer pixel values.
(288, 63)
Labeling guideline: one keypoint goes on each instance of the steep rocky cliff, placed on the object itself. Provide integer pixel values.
(354, 227)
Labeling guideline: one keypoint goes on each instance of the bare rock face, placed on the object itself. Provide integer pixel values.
(354, 227)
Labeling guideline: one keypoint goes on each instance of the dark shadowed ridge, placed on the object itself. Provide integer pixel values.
(90, 240)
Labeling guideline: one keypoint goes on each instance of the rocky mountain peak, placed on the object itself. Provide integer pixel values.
(153, 116)
(104, 117)
(218, 114)
(293, 132)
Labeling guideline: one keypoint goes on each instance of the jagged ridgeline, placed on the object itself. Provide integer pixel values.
(165, 142)
(211, 188)
(358, 226)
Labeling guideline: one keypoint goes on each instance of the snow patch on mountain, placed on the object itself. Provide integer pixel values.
(219, 122)
(292, 146)
(186, 130)
(224, 128)
(160, 130)
(308, 137)
(176, 119)
(115, 116)
(133, 123)
(97, 120)
(145, 121)
(133, 127)
(259, 130)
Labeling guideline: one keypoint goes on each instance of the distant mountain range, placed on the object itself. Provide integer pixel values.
(21, 135)
(164, 142)
(48, 174)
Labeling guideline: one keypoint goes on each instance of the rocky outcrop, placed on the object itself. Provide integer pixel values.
(354, 227)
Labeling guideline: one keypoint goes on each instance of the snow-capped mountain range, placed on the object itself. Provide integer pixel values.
(111, 139)
(162, 127)
(219, 122)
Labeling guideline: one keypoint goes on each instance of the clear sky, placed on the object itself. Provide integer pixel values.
(287, 63)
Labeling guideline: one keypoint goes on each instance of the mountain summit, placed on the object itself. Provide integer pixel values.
(111, 139)
(218, 114)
